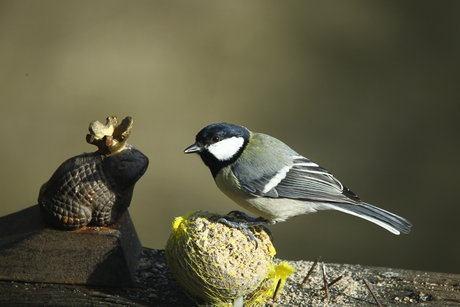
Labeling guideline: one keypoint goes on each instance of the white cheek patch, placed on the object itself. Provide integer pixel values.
(226, 149)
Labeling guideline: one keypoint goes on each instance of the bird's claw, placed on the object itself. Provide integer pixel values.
(257, 221)
(243, 225)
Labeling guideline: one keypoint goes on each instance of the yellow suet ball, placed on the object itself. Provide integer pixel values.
(217, 263)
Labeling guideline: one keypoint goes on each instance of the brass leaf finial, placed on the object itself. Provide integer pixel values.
(111, 137)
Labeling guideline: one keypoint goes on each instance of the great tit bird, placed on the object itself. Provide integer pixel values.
(268, 178)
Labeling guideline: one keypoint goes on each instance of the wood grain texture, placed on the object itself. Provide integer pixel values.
(155, 286)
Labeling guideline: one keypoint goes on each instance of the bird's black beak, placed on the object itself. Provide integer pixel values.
(192, 149)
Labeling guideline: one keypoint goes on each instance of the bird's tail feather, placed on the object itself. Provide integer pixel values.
(383, 218)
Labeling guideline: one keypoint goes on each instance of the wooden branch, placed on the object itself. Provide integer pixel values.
(155, 286)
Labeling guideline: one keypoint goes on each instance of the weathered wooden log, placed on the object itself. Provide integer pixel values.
(155, 286)
(31, 251)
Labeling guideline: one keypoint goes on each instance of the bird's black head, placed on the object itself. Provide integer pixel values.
(220, 145)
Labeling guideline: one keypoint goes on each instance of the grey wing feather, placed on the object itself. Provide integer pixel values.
(308, 181)
(300, 179)
(287, 175)
(256, 186)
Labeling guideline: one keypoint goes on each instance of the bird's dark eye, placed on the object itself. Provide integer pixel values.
(216, 138)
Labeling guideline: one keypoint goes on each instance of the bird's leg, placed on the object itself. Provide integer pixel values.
(252, 221)
(243, 225)
(241, 215)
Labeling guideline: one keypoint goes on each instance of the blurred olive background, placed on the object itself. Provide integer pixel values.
(370, 90)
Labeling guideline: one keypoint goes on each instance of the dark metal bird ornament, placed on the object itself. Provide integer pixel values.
(94, 188)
